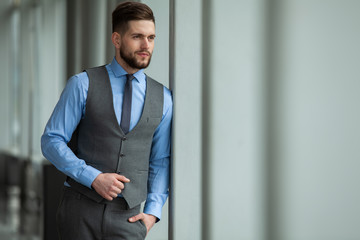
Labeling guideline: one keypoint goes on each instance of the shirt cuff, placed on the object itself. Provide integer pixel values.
(88, 176)
(153, 208)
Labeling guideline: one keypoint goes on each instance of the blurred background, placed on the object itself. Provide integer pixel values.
(266, 133)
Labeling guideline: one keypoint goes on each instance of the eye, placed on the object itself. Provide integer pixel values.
(151, 38)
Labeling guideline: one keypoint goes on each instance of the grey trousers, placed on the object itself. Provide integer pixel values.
(79, 217)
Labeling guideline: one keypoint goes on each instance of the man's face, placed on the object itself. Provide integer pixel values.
(137, 44)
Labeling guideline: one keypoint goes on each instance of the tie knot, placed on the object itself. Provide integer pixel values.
(129, 77)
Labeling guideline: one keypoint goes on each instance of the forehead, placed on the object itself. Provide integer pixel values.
(145, 27)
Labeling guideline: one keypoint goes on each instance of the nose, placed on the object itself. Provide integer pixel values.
(145, 43)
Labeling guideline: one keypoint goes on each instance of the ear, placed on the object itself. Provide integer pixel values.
(115, 38)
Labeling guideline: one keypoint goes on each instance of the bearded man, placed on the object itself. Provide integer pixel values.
(110, 134)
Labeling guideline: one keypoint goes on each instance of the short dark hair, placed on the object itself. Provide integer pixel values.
(129, 11)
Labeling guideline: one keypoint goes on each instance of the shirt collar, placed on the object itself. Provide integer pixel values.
(119, 71)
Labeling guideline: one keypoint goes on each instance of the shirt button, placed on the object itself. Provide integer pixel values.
(122, 155)
(124, 138)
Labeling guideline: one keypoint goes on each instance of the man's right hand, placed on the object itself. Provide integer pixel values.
(109, 185)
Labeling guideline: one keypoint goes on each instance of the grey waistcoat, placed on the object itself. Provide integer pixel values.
(100, 141)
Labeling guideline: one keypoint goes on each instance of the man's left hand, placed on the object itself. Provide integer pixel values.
(148, 219)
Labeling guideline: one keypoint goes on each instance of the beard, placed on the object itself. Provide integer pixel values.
(131, 60)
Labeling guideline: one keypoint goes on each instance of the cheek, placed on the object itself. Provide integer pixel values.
(133, 46)
(151, 48)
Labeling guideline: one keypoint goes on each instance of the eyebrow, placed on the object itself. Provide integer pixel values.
(143, 35)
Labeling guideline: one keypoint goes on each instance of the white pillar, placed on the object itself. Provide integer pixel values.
(233, 120)
(186, 82)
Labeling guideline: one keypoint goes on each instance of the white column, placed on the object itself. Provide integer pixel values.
(233, 120)
(186, 82)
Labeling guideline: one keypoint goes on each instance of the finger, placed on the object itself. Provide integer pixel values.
(107, 197)
(122, 178)
(136, 217)
(115, 190)
(119, 185)
(113, 194)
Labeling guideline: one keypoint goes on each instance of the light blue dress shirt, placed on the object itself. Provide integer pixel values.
(71, 109)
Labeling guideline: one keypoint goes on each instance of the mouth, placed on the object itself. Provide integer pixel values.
(143, 54)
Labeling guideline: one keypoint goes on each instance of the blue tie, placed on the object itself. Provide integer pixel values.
(126, 108)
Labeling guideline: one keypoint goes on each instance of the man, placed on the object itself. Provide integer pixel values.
(119, 121)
